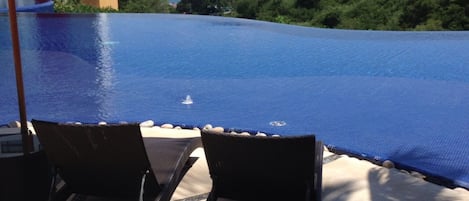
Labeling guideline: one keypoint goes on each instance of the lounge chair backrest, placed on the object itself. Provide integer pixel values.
(102, 160)
(261, 168)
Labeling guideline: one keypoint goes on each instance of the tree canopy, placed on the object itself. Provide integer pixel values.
(343, 14)
(347, 14)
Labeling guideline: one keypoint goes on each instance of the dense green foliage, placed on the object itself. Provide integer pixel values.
(349, 14)
(344, 14)
(204, 7)
(127, 6)
(144, 6)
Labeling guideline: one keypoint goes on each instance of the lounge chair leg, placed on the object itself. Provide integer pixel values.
(58, 194)
(142, 186)
(211, 197)
(53, 187)
(62, 194)
(308, 192)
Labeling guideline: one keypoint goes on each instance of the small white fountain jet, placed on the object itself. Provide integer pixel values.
(188, 100)
(278, 123)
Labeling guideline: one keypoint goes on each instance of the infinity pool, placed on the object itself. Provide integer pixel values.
(382, 95)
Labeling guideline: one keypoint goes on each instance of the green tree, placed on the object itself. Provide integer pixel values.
(417, 12)
(201, 7)
(247, 8)
(455, 17)
(346, 14)
(330, 18)
(146, 6)
(184, 6)
(276, 10)
(307, 3)
(379, 14)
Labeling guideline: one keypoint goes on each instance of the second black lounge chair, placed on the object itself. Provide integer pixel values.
(263, 168)
(114, 160)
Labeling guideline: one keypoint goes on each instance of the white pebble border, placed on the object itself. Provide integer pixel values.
(151, 124)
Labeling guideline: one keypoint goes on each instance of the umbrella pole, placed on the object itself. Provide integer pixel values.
(26, 137)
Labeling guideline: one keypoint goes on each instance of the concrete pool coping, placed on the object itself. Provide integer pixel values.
(344, 178)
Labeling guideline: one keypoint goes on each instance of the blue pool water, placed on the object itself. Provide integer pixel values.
(40, 6)
(401, 96)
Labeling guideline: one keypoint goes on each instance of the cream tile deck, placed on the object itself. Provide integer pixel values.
(344, 179)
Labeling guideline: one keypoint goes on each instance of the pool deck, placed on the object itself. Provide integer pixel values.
(344, 178)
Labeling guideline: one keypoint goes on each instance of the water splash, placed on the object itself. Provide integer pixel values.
(278, 123)
(188, 100)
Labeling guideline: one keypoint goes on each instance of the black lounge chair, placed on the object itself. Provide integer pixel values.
(263, 168)
(113, 160)
(24, 177)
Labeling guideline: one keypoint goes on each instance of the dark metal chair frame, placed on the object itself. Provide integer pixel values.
(263, 168)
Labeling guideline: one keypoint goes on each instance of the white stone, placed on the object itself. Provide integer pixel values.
(14, 124)
(417, 174)
(147, 123)
(405, 172)
(388, 164)
(217, 129)
(208, 127)
(167, 126)
(261, 134)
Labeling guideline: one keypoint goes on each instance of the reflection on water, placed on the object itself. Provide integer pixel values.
(105, 72)
(62, 62)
